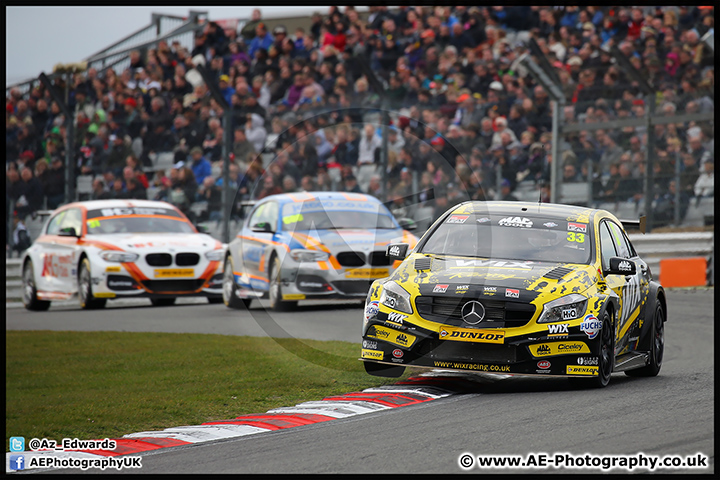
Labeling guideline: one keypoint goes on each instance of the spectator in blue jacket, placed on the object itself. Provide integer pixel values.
(263, 39)
(200, 165)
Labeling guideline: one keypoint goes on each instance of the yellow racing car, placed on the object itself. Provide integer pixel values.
(518, 288)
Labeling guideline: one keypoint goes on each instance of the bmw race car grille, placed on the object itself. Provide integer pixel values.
(158, 259)
(174, 286)
(351, 259)
(498, 314)
(468, 351)
(186, 259)
(379, 259)
(353, 287)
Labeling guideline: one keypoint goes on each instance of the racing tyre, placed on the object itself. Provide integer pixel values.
(606, 358)
(85, 293)
(29, 297)
(163, 302)
(275, 292)
(229, 298)
(380, 370)
(658, 347)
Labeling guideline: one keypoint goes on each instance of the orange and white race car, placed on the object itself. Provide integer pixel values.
(108, 249)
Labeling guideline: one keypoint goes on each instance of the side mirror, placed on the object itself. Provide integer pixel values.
(201, 229)
(407, 223)
(263, 227)
(397, 251)
(621, 266)
(68, 232)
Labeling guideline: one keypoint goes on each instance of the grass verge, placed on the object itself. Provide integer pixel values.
(93, 385)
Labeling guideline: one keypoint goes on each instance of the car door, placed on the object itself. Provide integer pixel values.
(67, 250)
(48, 250)
(56, 271)
(255, 243)
(631, 290)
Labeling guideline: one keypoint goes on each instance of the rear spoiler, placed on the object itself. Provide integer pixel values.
(635, 224)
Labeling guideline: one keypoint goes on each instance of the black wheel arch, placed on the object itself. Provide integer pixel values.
(656, 294)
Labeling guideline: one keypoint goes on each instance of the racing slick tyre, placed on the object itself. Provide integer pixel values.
(606, 358)
(29, 297)
(229, 298)
(163, 302)
(85, 293)
(275, 291)
(380, 370)
(658, 347)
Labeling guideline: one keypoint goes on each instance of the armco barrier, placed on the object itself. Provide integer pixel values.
(652, 248)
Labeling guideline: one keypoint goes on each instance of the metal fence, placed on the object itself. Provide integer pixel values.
(631, 138)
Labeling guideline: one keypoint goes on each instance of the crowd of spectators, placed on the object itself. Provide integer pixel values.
(463, 107)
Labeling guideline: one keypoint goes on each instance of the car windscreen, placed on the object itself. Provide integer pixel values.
(335, 214)
(136, 220)
(512, 237)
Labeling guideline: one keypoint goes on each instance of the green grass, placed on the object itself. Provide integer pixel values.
(93, 385)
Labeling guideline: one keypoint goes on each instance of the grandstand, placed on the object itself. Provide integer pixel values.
(469, 93)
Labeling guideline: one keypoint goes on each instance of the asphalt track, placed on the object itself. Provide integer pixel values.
(672, 414)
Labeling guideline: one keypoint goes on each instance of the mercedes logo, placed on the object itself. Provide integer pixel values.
(473, 312)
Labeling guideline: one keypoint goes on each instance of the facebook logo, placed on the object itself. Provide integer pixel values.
(17, 444)
(17, 462)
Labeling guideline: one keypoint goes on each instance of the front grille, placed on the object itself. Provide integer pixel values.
(353, 287)
(158, 259)
(498, 314)
(351, 259)
(379, 259)
(468, 351)
(174, 286)
(187, 259)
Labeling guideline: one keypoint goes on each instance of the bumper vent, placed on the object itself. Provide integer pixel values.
(173, 286)
(353, 287)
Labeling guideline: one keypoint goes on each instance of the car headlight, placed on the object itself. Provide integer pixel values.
(394, 296)
(118, 257)
(569, 307)
(214, 255)
(301, 255)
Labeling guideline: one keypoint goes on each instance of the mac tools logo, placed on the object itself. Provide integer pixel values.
(516, 222)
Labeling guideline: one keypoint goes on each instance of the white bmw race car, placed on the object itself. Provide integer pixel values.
(107, 249)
